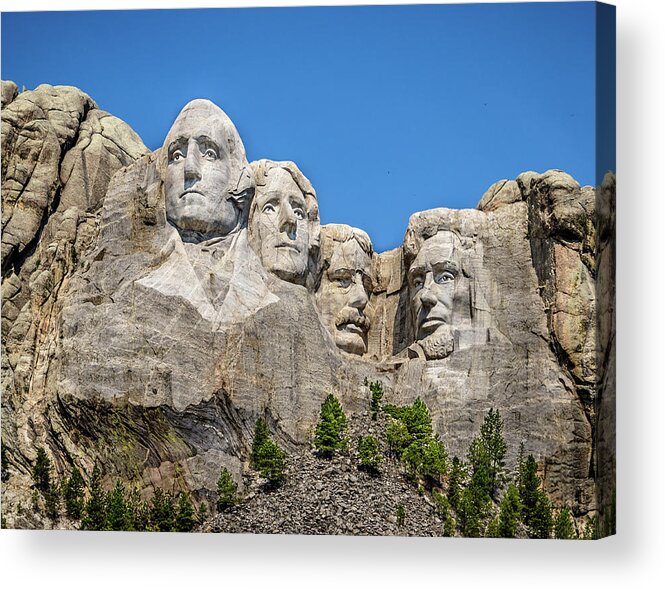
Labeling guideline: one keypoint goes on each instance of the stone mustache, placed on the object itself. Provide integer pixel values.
(213, 195)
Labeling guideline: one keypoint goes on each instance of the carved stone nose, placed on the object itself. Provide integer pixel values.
(358, 295)
(427, 298)
(287, 221)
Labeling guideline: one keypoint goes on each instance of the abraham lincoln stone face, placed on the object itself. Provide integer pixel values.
(432, 279)
(204, 193)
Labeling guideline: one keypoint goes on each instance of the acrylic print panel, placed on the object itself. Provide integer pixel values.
(355, 277)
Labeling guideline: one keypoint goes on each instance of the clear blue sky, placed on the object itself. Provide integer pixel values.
(388, 110)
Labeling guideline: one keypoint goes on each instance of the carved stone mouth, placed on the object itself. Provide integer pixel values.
(191, 192)
(430, 324)
(292, 246)
(352, 327)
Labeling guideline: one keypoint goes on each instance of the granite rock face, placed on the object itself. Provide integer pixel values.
(146, 330)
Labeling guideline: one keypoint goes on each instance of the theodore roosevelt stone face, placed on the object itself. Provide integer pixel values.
(204, 161)
(432, 277)
(345, 286)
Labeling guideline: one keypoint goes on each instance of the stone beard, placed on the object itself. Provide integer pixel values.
(345, 287)
(207, 180)
(284, 221)
(432, 279)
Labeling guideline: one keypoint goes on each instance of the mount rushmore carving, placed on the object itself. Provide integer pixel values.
(156, 303)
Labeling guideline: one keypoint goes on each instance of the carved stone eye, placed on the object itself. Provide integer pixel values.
(418, 282)
(268, 208)
(177, 155)
(444, 277)
(210, 154)
(299, 213)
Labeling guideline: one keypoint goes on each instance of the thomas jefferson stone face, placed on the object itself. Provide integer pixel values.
(202, 159)
(432, 279)
(344, 294)
(281, 225)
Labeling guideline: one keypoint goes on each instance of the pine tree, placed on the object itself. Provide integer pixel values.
(564, 529)
(376, 388)
(591, 531)
(529, 485)
(162, 513)
(184, 515)
(95, 507)
(52, 501)
(227, 490)
(509, 514)
(261, 436)
(480, 480)
(368, 451)
(455, 482)
(493, 529)
(72, 493)
(118, 517)
(201, 513)
(330, 432)
(41, 471)
(397, 437)
(469, 513)
(540, 525)
(267, 457)
(419, 421)
(443, 509)
(401, 515)
(434, 461)
(138, 510)
(491, 436)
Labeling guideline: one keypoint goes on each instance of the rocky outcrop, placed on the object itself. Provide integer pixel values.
(146, 331)
(59, 152)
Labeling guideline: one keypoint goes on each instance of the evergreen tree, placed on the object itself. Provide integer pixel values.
(118, 517)
(162, 513)
(267, 457)
(368, 451)
(469, 513)
(509, 514)
(52, 501)
(397, 437)
(331, 429)
(376, 388)
(491, 435)
(41, 471)
(401, 515)
(443, 509)
(529, 485)
(72, 493)
(184, 515)
(564, 529)
(541, 522)
(493, 529)
(434, 461)
(201, 513)
(455, 482)
(419, 421)
(261, 436)
(138, 510)
(479, 464)
(591, 531)
(227, 490)
(95, 507)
